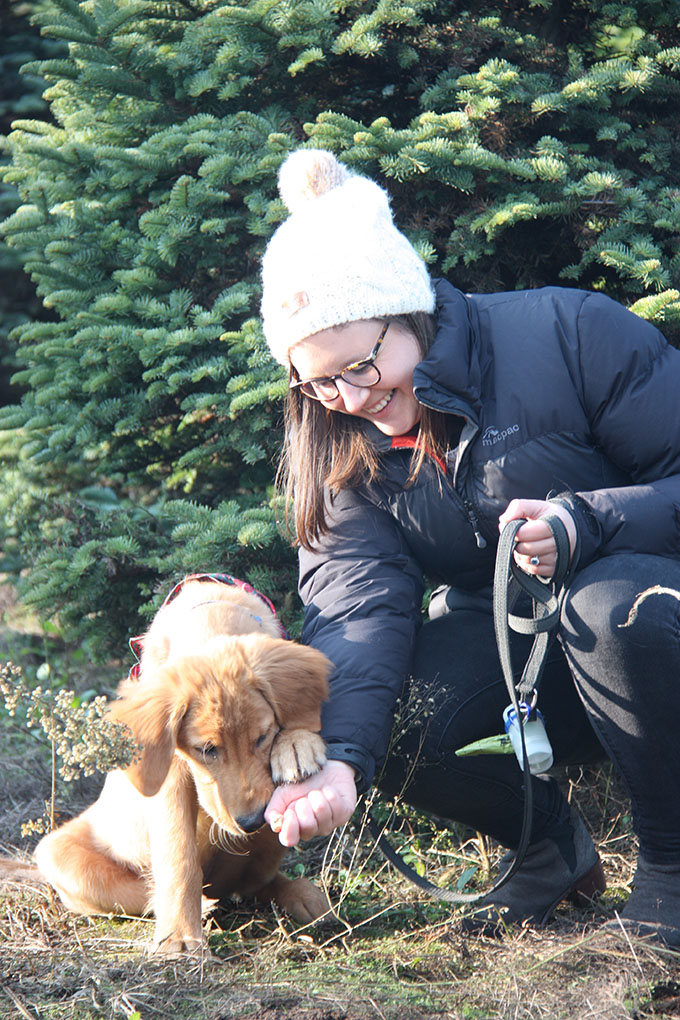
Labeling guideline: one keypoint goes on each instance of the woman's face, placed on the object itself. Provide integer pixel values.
(390, 404)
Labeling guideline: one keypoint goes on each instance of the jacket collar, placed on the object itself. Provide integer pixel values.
(449, 378)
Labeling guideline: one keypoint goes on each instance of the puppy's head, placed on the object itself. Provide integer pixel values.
(253, 688)
(292, 678)
(220, 712)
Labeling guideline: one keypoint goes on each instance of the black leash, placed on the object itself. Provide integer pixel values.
(509, 583)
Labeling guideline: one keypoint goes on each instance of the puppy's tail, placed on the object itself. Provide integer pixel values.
(20, 871)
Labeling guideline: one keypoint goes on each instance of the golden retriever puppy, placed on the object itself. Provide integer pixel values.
(224, 709)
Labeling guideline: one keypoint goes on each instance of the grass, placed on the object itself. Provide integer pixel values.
(390, 953)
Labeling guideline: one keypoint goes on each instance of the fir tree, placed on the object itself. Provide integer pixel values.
(20, 96)
(524, 143)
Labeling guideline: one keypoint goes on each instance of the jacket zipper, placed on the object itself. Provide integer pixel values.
(409, 442)
(474, 523)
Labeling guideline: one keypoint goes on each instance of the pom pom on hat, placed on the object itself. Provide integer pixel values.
(307, 174)
(338, 257)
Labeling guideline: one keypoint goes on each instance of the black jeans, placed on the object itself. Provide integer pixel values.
(607, 690)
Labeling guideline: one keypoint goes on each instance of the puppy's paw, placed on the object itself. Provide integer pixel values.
(295, 755)
(300, 898)
(178, 945)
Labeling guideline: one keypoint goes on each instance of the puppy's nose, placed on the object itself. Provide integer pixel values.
(251, 822)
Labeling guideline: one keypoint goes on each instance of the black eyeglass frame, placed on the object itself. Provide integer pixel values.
(369, 362)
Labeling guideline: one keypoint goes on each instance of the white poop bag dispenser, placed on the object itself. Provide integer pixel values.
(538, 749)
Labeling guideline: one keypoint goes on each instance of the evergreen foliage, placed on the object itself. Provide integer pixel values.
(524, 143)
(20, 96)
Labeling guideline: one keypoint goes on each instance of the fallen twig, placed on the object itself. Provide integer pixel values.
(656, 590)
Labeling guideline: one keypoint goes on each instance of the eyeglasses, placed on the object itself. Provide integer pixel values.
(360, 373)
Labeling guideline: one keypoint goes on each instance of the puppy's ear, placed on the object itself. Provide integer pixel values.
(154, 712)
(293, 678)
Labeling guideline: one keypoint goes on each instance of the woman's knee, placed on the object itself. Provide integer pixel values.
(623, 601)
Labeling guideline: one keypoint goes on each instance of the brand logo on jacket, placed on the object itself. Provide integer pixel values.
(493, 435)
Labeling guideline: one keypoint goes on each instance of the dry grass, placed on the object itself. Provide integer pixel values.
(55, 966)
(390, 953)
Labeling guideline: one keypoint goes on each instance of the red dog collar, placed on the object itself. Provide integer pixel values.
(137, 643)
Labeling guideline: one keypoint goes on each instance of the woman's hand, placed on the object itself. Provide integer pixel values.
(535, 539)
(314, 807)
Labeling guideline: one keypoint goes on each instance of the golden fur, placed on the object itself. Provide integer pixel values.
(224, 709)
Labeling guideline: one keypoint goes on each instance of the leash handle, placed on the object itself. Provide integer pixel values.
(546, 596)
(509, 582)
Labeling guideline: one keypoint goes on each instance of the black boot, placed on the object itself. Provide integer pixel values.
(554, 869)
(653, 907)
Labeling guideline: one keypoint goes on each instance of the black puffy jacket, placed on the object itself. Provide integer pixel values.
(559, 391)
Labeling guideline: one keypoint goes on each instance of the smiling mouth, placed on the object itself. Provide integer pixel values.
(381, 405)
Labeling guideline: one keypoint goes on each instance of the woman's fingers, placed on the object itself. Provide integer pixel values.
(315, 814)
(535, 548)
(536, 557)
(315, 806)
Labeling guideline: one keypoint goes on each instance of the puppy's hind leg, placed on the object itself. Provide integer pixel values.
(298, 897)
(256, 873)
(86, 878)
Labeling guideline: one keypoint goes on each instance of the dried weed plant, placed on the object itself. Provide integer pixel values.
(81, 739)
(388, 952)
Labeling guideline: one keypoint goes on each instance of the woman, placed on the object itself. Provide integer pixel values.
(420, 420)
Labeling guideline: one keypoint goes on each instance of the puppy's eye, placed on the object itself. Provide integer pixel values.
(261, 740)
(208, 752)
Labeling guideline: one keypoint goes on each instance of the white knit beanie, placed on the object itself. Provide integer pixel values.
(338, 257)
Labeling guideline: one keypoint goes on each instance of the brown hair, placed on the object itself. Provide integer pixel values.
(324, 449)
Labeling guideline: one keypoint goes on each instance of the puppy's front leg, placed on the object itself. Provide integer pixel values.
(175, 865)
